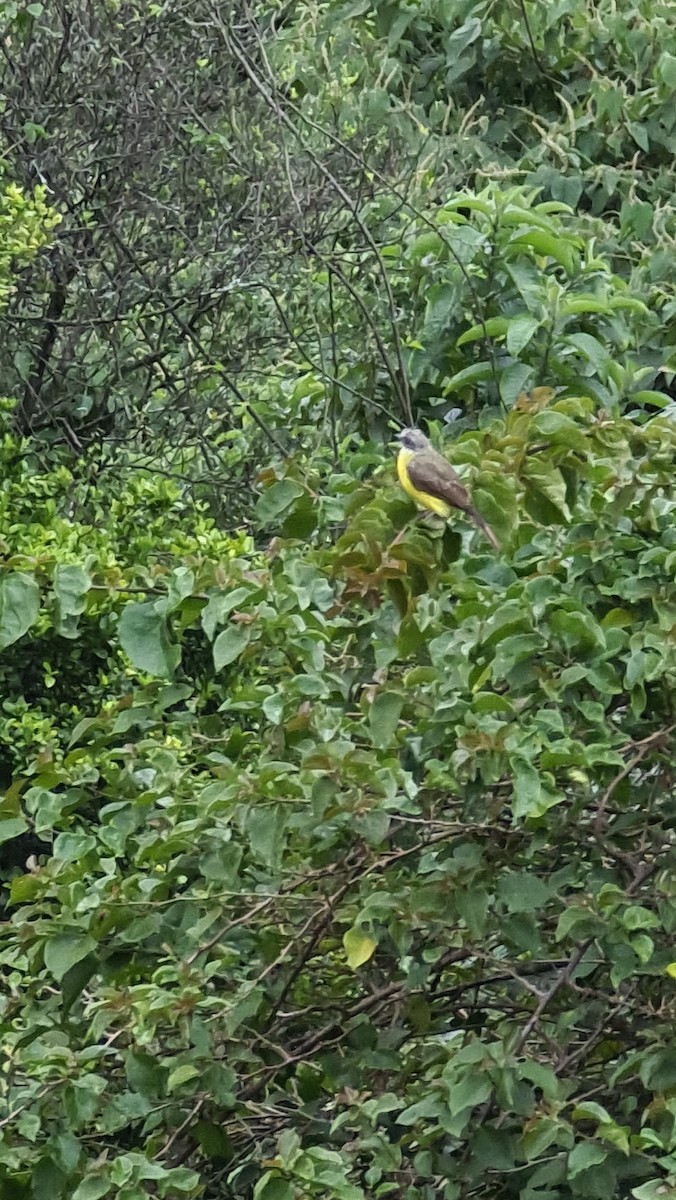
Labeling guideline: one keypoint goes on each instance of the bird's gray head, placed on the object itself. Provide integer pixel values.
(413, 439)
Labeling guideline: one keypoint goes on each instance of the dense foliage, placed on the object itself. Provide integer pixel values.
(336, 849)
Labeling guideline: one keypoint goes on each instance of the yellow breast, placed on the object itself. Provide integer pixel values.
(424, 499)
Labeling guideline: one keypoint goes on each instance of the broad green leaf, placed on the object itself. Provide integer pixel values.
(548, 481)
(558, 429)
(358, 946)
(265, 827)
(541, 1134)
(213, 1140)
(656, 399)
(72, 847)
(636, 916)
(578, 629)
(492, 327)
(582, 303)
(468, 1089)
(655, 1189)
(547, 245)
(24, 888)
(93, 1187)
(476, 373)
(495, 497)
(144, 1073)
(657, 1069)
(666, 68)
(583, 1156)
(19, 606)
(145, 640)
(520, 330)
(181, 1075)
(527, 790)
(427, 245)
(71, 585)
(64, 950)
(523, 892)
(384, 713)
(277, 499)
(229, 644)
(591, 348)
(589, 1110)
(220, 604)
(273, 1187)
(11, 828)
(515, 378)
(431, 1108)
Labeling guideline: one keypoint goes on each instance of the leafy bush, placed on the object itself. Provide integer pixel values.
(336, 849)
(392, 879)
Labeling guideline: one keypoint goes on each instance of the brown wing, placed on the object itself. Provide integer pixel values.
(431, 472)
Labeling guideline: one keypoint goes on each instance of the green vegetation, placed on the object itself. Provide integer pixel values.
(336, 850)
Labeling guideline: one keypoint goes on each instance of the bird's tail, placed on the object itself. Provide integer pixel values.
(484, 527)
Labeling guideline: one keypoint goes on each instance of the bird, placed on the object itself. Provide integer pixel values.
(429, 479)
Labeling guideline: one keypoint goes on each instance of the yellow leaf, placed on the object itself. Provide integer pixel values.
(358, 947)
(670, 970)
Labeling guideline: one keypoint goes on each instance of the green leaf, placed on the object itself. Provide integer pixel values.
(144, 1074)
(540, 1135)
(654, 1189)
(657, 1069)
(47, 1180)
(229, 644)
(523, 892)
(495, 497)
(493, 327)
(220, 604)
(592, 349)
(76, 979)
(547, 245)
(466, 1090)
(358, 946)
(277, 499)
(11, 828)
(429, 1109)
(274, 1187)
(520, 330)
(666, 69)
(558, 429)
(656, 399)
(384, 713)
(639, 133)
(19, 606)
(515, 378)
(548, 481)
(92, 1188)
(213, 1140)
(71, 585)
(583, 303)
(527, 790)
(578, 630)
(583, 1156)
(71, 847)
(23, 889)
(265, 827)
(66, 949)
(635, 916)
(477, 373)
(145, 640)
(181, 1075)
